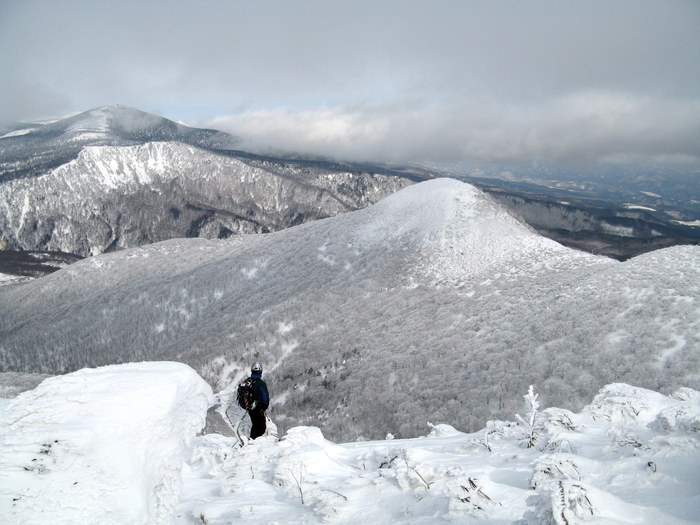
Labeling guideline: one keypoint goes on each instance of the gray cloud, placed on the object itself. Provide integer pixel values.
(444, 81)
(576, 130)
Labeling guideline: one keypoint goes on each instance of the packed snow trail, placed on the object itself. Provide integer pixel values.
(100, 445)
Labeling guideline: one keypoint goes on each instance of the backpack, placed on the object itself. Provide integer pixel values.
(245, 394)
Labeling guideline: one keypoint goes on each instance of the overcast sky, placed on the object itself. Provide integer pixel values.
(515, 83)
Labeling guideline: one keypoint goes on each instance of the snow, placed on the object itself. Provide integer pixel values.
(17, 133)
(79, 206)
(6, 279)
(101, 445)
(445, 287)
(95, 121)
(631, 456)
(616, 229)
(692, 224)
(638, 207)
(117, 445)
(452, 232)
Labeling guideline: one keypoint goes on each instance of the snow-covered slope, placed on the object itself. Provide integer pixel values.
(100, 445)
(116, 445)
(434, 304)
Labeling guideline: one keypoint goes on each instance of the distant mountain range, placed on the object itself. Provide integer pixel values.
(435, 304)
(606, 227)
(616, 210)
(115, 177)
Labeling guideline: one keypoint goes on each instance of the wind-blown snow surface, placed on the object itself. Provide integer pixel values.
(433, 305)
(115, 444)
(100, 445)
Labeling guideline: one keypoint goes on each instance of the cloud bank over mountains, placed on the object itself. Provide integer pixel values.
(573, 131)
(452, 82)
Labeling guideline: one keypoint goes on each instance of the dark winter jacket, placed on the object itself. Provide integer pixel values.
(260, 393)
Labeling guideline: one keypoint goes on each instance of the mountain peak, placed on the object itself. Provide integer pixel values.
(118, 120)
(37, 149)
(120, 109)
(461, 233)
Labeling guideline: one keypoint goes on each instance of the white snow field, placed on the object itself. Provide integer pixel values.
(117, 445)
(100, 445)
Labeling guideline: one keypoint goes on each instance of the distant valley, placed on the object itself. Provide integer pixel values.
(614, 212)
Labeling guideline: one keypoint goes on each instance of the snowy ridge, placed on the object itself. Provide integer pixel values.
(116, 445)
(100, 445)
(115, 177)
(95, 126)
(17, 133)
(376, 296)
(48, 145)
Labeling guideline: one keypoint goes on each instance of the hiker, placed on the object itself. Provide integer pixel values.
(257, 402)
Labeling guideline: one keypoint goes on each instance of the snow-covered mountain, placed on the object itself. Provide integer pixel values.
(117, 445)
(34, 149)
(116, 177)
(433, 305)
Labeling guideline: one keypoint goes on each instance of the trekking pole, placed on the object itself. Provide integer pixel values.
(236, 427)
(237, 430)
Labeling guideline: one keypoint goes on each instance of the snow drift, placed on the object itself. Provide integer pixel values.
(434, 304)
(100, 445)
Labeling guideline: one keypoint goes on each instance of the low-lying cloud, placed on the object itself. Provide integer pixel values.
(579, 130)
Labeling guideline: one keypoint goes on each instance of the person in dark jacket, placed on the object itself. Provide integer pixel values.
(262, 401)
